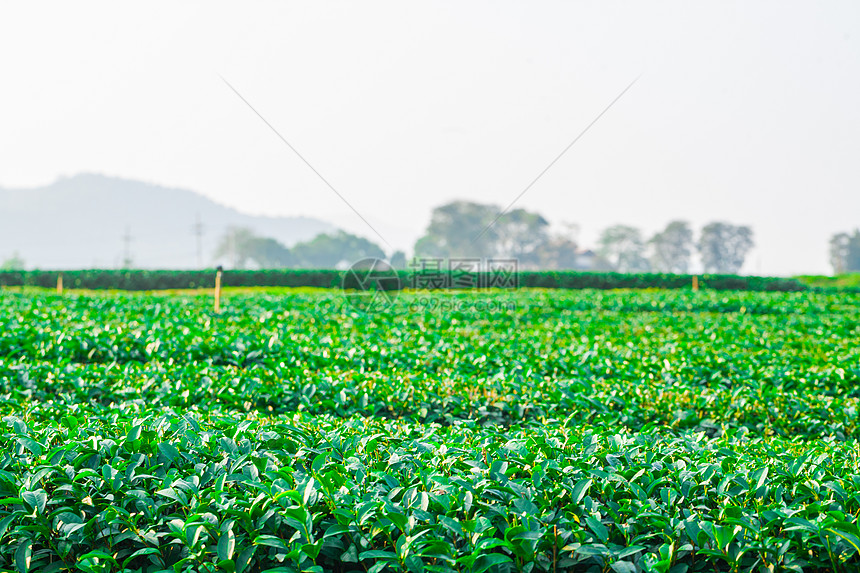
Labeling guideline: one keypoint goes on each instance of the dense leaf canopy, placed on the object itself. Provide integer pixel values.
(468, 431)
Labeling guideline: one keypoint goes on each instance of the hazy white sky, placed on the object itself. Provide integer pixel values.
(746, 112)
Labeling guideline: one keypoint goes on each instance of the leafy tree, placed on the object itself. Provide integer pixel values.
(560, 251)
(557, 253)
(242, 246)
(14, 263)
(268, 253)
(839, 244)
(453, 231)
(852, 264)
(463, 229)
(672, 247)
(336, 250)
(519, 234)
(325, 251)
(845, 252)
(398, 260)
(623, 249)
(236, 244)
(724, 247)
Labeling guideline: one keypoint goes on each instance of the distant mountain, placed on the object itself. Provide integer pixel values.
(81, 221)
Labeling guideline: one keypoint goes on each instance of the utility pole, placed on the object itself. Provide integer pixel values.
(197, 229)
(126, 240)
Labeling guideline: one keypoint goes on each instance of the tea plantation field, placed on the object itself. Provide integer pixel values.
(605, 431)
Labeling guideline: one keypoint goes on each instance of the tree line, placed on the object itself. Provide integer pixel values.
(845, 252)
(468, 230)
(464, 229)
(240, 246)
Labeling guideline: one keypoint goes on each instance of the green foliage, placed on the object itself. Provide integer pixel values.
(602, 431)
(165, 280)
(557, 252)
(462, 229)
(325, 251)
(336, 250)
(845, 252)
(623, 248)
(848, 281)
(672, 248)
(240, 246)
(609, 280)
(398, 260)
(14, 263)
(454, 228)
(724, 247)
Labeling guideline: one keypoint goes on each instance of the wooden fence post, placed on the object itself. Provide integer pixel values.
(695, 283)
(218, 289)
(60, 283)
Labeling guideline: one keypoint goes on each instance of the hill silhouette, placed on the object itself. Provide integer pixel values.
(80, 222)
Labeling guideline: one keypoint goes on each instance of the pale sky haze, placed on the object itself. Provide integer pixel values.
(747, 112)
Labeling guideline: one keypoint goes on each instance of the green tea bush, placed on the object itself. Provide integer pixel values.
(583, 430)
(167, 280)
